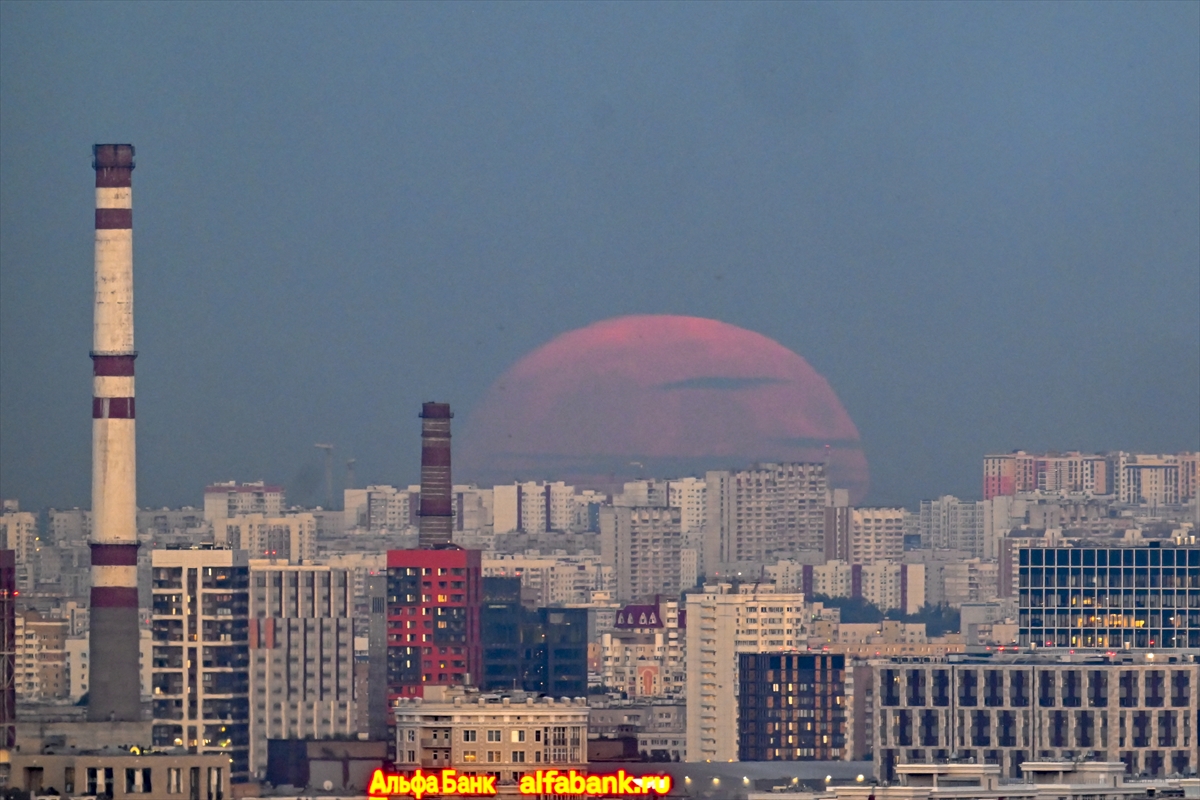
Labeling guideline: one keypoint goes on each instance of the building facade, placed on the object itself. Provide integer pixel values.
(1094, 596)
(791, 707)
(722, 621)
(767, 512)
(231, 498)
(291, 537)
(1008, 712)
(301, 655)
(433, 604)
(642, 544)
(201, 678)
(505, 735)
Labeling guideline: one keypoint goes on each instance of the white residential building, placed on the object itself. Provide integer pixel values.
(231, 498)
(533, 507)
(381, 508)
(952, 524)
(18, 532)
(642, 544)
(723, 621)
(690, 496)
(291, 538)
(554, 579)
(301, 655)
(761, 514)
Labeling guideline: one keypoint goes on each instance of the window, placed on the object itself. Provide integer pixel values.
(137, 781)
(493, 736)
(174, 780)
(494, 756)
(469, 756)
(215, 789)
(69, 779)
(469, 736)
(518, 736)
(99, 780)
(410, 735)
(518, 756)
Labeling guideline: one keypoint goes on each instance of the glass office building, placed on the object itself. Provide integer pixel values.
(1094, 596)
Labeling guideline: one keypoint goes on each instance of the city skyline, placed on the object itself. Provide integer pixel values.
(977, 223)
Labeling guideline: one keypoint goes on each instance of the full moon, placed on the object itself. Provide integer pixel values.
(657, 396)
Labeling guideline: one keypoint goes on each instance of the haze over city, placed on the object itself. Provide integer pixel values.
(980, 223)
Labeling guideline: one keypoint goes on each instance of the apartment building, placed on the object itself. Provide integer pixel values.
(791, 707)
(19, 533)
(690, 496)
(533, 507)
(200, 627)
(301, 655)
(724, 620)
(289, 537)
(885, 584)
(952, 524)
(864, 535)
(763, 513)
(231, 498)
(1023, 708)
(41, 657)
(433, 604)
(552, 579)
(642, 544)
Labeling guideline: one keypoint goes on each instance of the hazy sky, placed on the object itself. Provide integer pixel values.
(980, 222)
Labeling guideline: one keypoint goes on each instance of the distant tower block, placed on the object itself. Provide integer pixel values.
(436, 517)
(114, 686)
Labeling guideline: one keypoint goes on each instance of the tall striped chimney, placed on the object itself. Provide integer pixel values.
(114, 690)
(436, 518)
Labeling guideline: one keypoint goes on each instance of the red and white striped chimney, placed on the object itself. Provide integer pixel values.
(114, 690)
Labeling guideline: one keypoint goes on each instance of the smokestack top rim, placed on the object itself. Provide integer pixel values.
(109, 156)
(436, 411)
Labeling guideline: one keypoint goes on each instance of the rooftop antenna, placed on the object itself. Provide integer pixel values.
(328, 448)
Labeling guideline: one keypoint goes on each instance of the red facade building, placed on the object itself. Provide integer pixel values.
(433, 602)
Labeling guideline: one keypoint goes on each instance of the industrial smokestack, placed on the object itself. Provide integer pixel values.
(114, 690)
(434, 525)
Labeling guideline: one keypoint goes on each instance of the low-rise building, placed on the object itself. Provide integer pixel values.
(504, 735)
(120, 774)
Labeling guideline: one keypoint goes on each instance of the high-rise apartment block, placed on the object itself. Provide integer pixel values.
(1118, 597)
(887, 585)
(642, 545)
(533, 507)
(1133, 478)
(763, 513)
(18, 534)
(552, 580)
(722, 621)
(433, 602)
(229, 499)
(291, 538)
(1157, 480)
(864, 535)
(1026, 708)
(952, 524)
(791, 707)
(690, 496)
(201, 673)
(301, 655)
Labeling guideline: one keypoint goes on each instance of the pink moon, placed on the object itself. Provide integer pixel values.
(657, 396)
